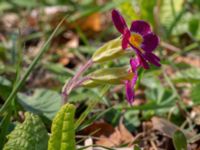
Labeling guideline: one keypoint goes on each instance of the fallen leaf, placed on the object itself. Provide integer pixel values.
(168, 128)
(99, 129)
(120, 136)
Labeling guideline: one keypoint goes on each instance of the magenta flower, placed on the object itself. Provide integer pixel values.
(139, 37)
(130, 84)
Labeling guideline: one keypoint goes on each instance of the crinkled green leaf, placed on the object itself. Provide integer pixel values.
(63, 131)
(114, 75)
(43, 101)
(30, 135)
(179, 140)
(109, 51)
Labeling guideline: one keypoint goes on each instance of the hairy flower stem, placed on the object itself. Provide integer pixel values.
(74, 82)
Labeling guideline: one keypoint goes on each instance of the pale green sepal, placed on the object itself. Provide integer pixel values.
(90, 84)
(114, 75)
(109, 51)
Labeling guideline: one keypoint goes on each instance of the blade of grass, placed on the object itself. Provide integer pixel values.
(29, 70)
(18, 66)
(90, 107)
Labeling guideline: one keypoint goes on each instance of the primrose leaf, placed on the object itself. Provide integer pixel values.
(30, 135)
(109, 51)
(179, 140)
(63, 130)
(42, 101)
(115, 75)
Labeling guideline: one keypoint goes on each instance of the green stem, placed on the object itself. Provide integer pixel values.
(30, 68)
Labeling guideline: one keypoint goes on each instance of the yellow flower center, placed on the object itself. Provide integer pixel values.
(136, 39)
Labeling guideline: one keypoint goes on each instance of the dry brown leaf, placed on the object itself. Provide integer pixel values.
(168, 128)
(99, 129)
(117, 138)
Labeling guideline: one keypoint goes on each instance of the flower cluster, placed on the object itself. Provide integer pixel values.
(142, 41)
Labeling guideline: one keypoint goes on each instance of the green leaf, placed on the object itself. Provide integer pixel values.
(5, 87)
(157, 92)
(169, 12)
(131, 119)
(43, 102)
(30, 135)
(146, 8)
(109, 51)
(190, 75)
(195, 95)
(115, 75)
(136, 147)
(127, 9)
(5, 6)
(4, 128)
(193, 26)
(25, 3)
(63, 131)
(179, 140)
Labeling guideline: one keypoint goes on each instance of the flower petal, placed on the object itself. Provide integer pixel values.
(152, 58)
(129, 92)
(134, 64)
(125, 38)
(118, 21)
(140, 56)
(141, 27)
(129, 84)
(150, 42)
(142, 61)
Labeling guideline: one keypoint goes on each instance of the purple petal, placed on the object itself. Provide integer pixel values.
(141, 27)
(153, 59)
(150, 42)
(142, 61)
(125, 38)
(118, 21)
(129, 92)
(140, 56)
(134, 80)
(134, 64)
